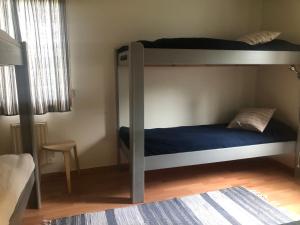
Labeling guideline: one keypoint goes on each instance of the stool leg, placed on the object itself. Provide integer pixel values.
(76, 159)
(68, 170)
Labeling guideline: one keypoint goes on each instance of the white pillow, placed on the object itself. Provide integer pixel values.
(260, 37)
(255, 119)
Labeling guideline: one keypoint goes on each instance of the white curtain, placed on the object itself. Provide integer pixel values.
(41, 23)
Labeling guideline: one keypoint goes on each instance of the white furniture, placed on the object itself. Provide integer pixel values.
(15, 176)
(136, 57)
(14, 53)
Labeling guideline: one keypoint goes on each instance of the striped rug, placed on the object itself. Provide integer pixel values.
(229, 206)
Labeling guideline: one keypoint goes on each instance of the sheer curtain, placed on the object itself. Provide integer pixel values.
(41, 23)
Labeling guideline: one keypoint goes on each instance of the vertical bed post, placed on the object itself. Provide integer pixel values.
(297, 163)
(27, 123)
(136, 95)
(117, 86)
(297, 152)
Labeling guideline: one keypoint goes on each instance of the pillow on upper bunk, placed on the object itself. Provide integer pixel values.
(255, 119)
(260, 37)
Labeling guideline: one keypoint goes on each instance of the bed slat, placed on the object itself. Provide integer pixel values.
(219, 155)
(202, 57)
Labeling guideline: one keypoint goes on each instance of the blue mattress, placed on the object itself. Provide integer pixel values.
(196, 138)
(216, 44)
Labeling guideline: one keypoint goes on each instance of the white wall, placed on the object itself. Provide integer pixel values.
(176, 96)
(96, 28)
(282, 15)
(277, 86)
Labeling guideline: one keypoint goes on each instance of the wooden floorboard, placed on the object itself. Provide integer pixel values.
(104, 188)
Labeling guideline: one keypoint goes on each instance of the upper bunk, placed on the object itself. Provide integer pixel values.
(10, 50)
(208, 51)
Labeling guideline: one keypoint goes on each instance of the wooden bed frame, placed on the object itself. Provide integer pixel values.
(136, 58)
(14, 53)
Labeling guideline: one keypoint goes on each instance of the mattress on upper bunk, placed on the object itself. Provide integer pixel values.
(15, 171)
(215, 44)
(161, 141)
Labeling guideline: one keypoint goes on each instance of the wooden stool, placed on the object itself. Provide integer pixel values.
(65, 148)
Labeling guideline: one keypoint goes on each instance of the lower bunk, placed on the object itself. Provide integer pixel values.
(193, 145)
(16, 182)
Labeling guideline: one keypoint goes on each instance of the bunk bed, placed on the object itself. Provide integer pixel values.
(14, 53)
(135, 142)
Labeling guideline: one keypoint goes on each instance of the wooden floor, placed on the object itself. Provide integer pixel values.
(104, 188)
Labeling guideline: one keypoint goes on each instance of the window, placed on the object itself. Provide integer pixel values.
(41, 23)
